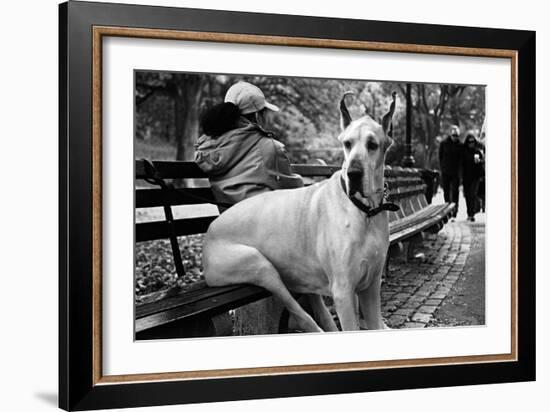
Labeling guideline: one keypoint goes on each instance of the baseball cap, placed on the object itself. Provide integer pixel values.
(248, 98)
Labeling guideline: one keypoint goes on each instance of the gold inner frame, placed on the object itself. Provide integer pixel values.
(101, 31)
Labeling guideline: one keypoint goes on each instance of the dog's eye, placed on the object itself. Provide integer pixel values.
(372, 145)
(347, 144)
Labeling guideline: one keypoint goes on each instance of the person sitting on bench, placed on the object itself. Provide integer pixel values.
(240, 157)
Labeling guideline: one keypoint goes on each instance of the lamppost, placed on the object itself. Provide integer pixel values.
(408, 159)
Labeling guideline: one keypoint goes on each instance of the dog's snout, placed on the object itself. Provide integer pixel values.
(355, 174)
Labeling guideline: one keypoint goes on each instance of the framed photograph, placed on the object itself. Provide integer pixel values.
(257, 206)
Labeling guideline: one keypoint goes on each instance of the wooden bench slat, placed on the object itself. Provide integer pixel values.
(182, 299)
(413, 217)
(421, 222)
(397, 183)
(314, 170)
(415, 229)
(161, 230)
(395, 196)
(172, 170)
(210, 306)
(185, 196)
(190, 170)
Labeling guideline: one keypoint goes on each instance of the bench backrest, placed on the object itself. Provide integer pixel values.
(156, 197)
(406, 187)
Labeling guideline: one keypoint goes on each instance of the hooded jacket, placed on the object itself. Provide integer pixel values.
(244, 162)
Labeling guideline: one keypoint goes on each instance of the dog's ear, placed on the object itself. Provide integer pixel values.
(386, 120)
(345, 117)
(388, 142)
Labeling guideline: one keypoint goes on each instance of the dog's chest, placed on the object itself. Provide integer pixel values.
(362, 252)
(372, 247)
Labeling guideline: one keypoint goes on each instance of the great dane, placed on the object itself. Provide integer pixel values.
(328, 239)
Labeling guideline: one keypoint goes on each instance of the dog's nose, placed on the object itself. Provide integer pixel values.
(355, 174)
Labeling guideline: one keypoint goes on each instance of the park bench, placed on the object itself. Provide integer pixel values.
(199, 310)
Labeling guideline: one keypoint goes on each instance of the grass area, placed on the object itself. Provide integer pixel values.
(154, 149)
(155, 268)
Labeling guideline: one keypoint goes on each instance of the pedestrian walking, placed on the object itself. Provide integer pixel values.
(472, 171)
(450, 159)
(481, 187)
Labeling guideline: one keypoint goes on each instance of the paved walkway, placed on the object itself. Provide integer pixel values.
(462, 210)
(414, 292)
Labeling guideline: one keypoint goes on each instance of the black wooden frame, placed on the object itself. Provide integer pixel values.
(77, 390)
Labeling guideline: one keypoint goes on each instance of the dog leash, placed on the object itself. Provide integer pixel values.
(370, 212)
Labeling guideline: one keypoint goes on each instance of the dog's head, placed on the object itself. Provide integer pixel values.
(365, 144)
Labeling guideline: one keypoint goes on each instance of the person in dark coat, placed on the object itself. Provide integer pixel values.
(481, 189)
(472, 171)
(450, 159)
(240, 157)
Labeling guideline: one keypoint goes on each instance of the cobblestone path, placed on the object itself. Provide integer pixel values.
(412, 292)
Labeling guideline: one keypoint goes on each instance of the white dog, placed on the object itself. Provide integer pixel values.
(329, 239)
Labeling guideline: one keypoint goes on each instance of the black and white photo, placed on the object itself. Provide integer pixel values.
(273, 204)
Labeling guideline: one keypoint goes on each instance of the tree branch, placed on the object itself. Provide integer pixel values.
(421, 90)
(443, 97)
(151, 90)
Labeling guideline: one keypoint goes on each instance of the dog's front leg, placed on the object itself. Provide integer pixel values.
(344, 301)
(369, 302)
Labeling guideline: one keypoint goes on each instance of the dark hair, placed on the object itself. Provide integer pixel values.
(254, 115)
(219, 119)
(470, 139)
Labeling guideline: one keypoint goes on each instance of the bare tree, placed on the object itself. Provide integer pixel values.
(430, 104)
(185, 91)
(188, 90)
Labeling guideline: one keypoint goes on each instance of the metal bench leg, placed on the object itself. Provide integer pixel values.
(398, 252)
(283, 321)
(412, 244)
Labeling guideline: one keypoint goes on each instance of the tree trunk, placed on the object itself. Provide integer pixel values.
(454, 110)
(187, 106)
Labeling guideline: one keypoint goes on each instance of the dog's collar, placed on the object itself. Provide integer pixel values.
(371, 211)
